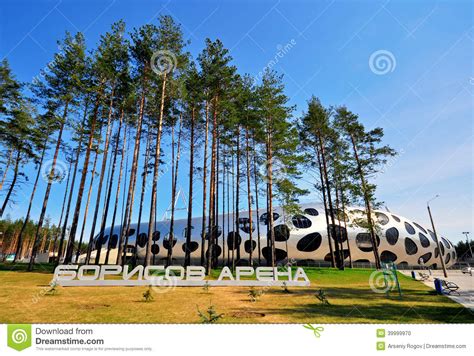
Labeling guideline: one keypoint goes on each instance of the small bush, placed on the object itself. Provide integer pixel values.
(321, 296)
(254, 294)
(210, 316)
(53, 289)
(147, 296)
(285, 288)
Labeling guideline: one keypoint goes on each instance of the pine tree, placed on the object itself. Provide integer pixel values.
(368, 156)
(41, 138)
(112, 61)
(193, 105)
(279, 137)
(80, 138)
(315, 126)
(169, 38)
(218, 74)
(16, 126)
(60, 89)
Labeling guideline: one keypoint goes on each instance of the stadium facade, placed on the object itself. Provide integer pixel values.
(300, 237)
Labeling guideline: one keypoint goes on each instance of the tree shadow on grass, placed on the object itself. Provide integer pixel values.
(373, 313)
(23, 267)
(356, 305)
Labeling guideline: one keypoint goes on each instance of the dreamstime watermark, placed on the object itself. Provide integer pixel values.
(47, 69)
(169, 284)
(390, 163)
(49, 289)
(19, 336)
(278, 170)
(317, 330)
(382, 62)
(163, 62)
(282, 51)
(281, 267)
(53, 172)
(163, 170)
(378, 283)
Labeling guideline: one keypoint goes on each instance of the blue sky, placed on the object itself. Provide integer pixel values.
(423, 99)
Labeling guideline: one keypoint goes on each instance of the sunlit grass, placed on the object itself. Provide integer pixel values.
(24, 299)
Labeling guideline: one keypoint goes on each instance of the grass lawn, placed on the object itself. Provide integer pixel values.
(23, 300)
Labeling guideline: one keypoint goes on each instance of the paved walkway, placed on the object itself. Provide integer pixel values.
(464, 281)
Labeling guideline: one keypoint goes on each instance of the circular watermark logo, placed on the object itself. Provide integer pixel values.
(19, 336)
(378, 284)
(53, 173)
(382, 62)
(278, 170)
(163, 61)
(167, 284)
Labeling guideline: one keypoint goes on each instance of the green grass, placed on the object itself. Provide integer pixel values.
(23, 267)
(23, 299)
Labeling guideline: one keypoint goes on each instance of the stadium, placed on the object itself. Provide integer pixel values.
(302, 238)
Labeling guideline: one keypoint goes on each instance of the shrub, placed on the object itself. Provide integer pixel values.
(210, 316)
(53, 289)
(285, 288)
(147, 296)
(254, 294)
(321, 296)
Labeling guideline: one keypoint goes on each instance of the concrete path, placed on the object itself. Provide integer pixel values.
(464, 281)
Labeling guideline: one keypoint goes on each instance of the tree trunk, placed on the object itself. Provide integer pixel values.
(373, 236)
(85, 168)
(63, 206)
(216, 204)
(339, 260)
(223, 205)
(71, 191)
(237, 192)
(7, 166)
(101, 181)
(345, 227)
(12, 185)
(48, 189)
(86, 210)
(117, 194)
(174, 178)
(123, 241)
(233, 214)
(326, 210)
(212, 191)
(256, 201)
(249, 194)
(142, 193)
(204, 190)
(187, 254)
(30, 204)
(228, 211)
(133, 185)
(156, 165)
(43, 242)
(270, 198)
(338, 211)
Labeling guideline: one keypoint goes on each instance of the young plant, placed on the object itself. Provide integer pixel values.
(52, 290)
(321, 296)
(210, 316)
(254, 294)
(147, 296)
(285, 288)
